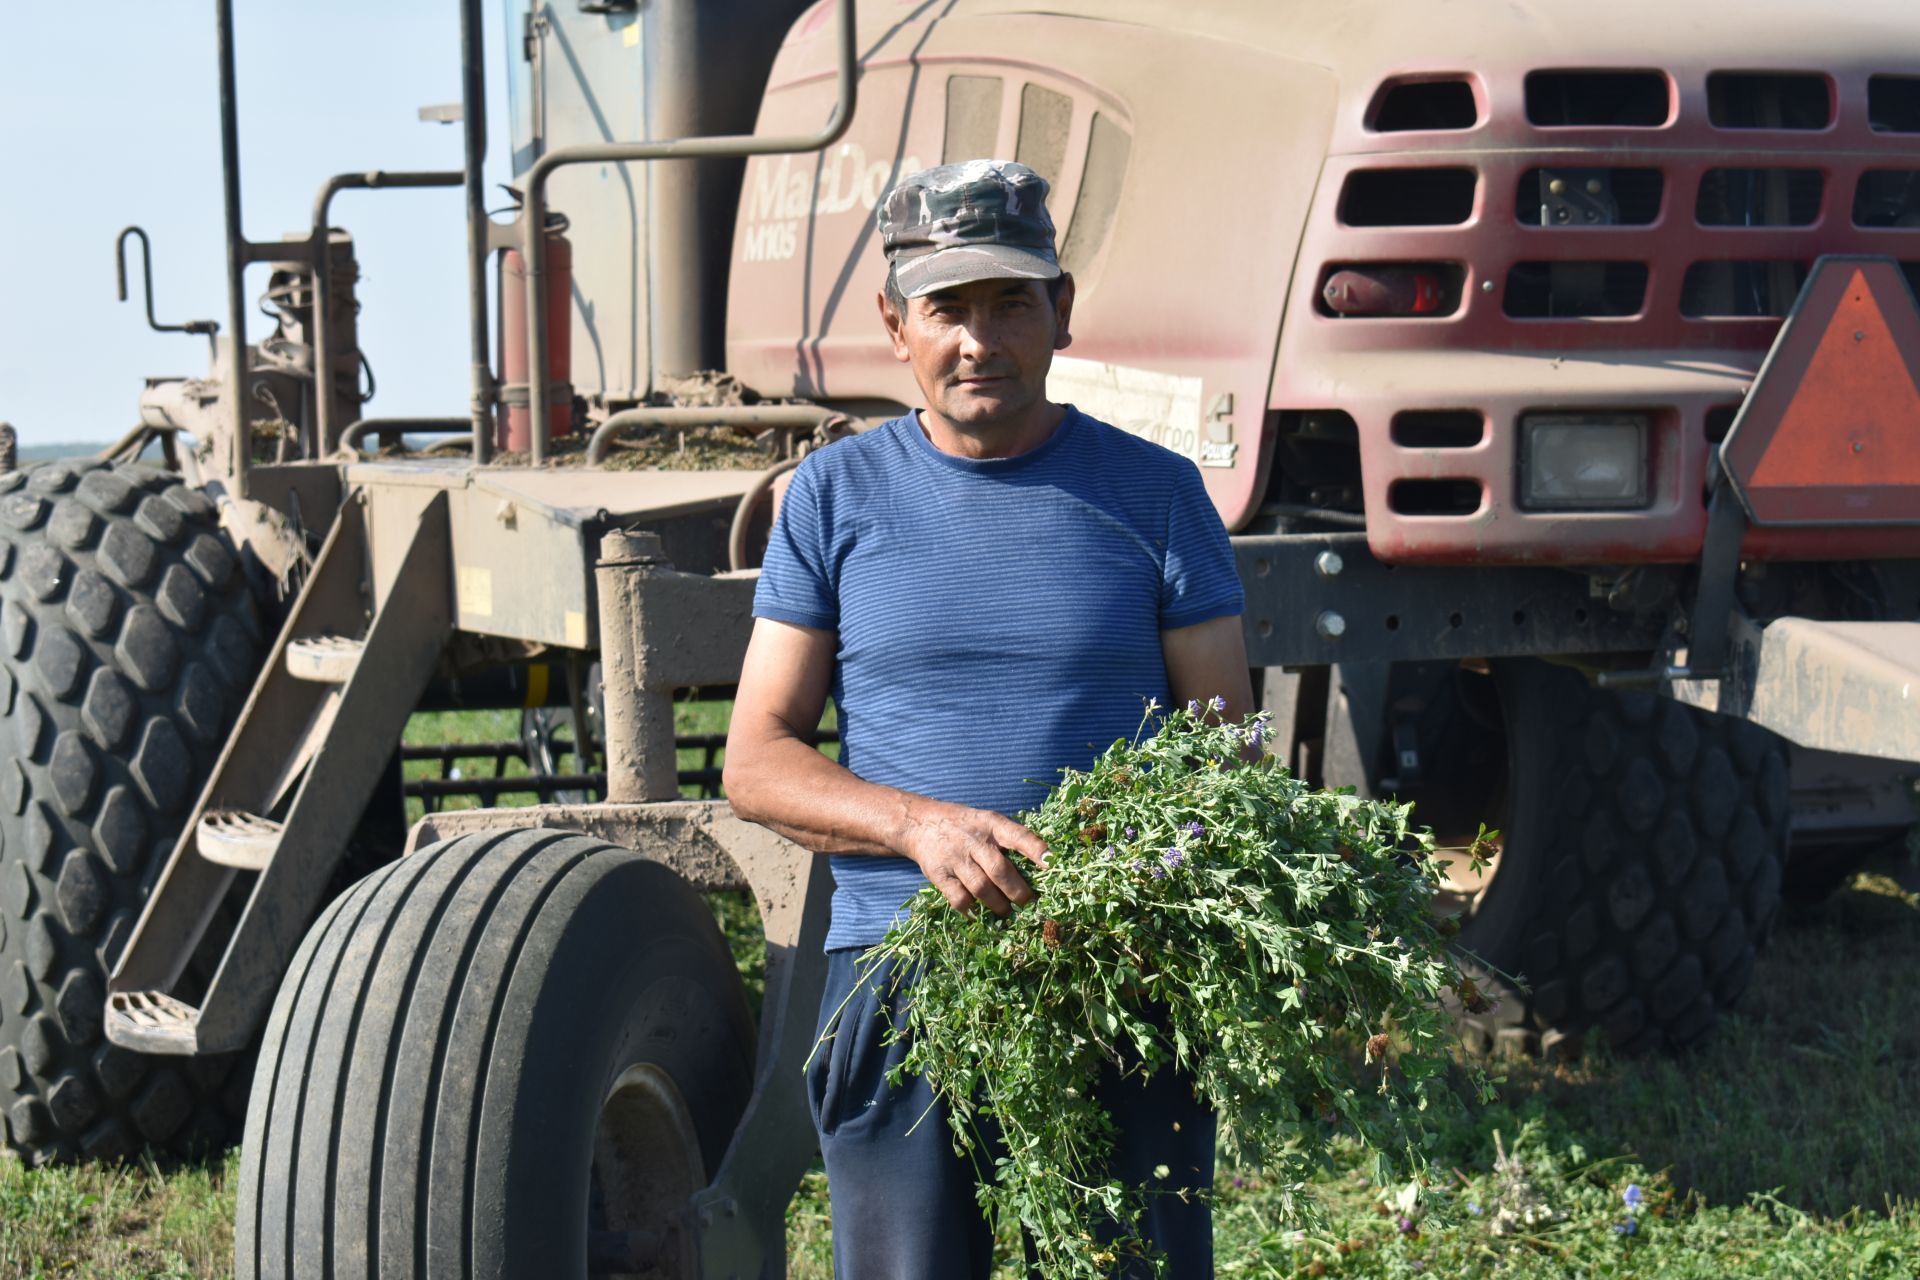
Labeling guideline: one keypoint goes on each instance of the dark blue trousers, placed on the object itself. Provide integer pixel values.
(903, 1203)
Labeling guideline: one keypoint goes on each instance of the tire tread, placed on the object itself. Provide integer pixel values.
(1649, 857)
(96, 791)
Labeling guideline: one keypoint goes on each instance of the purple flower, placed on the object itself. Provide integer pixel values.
(1131, 833)
(1195, 829)
(1254, 736)
(1473, 1207)
(1138, 865)
(1217, 702)
(1633, 1195)
(1627, 1228)
(1238, 1183)
(1112, 850)
(1159, 873)
(1173, 857)
(1193, 706)
(1404, 1225)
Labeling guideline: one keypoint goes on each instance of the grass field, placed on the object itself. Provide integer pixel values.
(1785, 1147)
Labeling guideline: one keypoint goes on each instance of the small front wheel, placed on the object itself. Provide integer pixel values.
(511, 1054)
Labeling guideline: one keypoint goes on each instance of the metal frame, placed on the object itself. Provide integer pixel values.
(242, 252)
(527, 235)
(319, 248)
(1402, 613)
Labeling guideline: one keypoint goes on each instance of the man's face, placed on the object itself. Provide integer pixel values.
(980, 351)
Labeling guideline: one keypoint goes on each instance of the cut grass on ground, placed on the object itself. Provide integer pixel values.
(1781, 1148)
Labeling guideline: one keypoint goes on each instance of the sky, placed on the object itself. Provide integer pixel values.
(110, 115)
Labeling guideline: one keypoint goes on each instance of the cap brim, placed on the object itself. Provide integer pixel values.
(964, 263)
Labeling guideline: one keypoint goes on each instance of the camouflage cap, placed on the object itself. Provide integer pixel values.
(978, 220)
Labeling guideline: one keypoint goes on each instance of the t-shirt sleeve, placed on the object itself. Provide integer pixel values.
(1199, 580)
(796, 585)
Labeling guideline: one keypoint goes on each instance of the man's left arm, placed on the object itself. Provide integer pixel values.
(1206, 660)
(1200, 604)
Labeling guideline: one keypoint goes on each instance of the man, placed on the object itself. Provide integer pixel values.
(991, 588)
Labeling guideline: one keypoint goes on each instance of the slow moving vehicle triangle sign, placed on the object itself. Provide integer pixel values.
(1829, 433)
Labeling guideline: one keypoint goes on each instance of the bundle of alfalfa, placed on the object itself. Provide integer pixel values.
(1274, 941)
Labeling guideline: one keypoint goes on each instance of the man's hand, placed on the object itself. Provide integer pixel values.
(964, 853)
(775, 777)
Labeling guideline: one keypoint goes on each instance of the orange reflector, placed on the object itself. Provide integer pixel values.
(1830, 432)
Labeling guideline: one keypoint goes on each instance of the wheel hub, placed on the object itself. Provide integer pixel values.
(646, 1167)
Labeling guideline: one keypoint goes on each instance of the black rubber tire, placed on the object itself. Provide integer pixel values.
(435, 1063)
(128, 643)
(1644, 842)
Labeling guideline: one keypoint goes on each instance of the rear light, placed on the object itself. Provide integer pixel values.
(1583, 461)
(1422, 289)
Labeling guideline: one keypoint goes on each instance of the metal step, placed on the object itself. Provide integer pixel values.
(231, 838)
(324, 659)
(151, 1022)
(309, 749)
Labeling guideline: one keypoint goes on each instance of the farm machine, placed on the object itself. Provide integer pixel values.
(1557, 383)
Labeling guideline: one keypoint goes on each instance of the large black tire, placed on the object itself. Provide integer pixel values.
(128, 642)
(432, 1077)
(1644, 842)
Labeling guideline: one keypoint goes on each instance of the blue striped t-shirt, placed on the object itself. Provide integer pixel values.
(997, 620)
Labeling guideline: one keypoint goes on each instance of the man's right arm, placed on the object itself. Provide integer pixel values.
(774, 776)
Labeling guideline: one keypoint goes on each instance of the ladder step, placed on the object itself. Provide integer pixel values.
(151, 1022)
(323, 659)
(235, 839)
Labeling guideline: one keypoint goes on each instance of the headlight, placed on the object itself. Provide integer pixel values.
(1583, 461)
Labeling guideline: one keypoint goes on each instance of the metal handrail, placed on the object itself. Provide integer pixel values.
(207, 327)
(320, 245)
(241, 444)
(393, 428)
(789, 417)
(240, 252)
(529, 230)
(473, 141)
(743, 510)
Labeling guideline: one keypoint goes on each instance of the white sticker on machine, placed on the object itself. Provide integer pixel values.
(474, 585)
(1161, 407)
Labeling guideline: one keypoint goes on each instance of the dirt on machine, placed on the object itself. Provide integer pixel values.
(1560, 388)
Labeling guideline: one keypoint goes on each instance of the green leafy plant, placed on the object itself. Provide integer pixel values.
(1203, 911)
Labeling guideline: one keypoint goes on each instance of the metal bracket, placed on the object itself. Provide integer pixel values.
(1317, 598)
(1714, 606)
(1713, 602)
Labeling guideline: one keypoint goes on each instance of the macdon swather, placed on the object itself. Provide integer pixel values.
(1553, 366)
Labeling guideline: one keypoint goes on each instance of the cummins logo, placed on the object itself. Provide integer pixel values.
(783, 190)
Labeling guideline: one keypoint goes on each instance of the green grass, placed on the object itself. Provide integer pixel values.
(690, 717)
(443, 727)
(117, 1223)
(1784, 1147)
